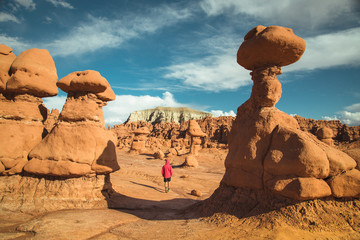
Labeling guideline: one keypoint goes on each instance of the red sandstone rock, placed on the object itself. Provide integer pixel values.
(33, 72)
(346, 184)
(300, 188)
(190, 161)
(270, 46)
(84, 146)
(6, 59)
(294, 152)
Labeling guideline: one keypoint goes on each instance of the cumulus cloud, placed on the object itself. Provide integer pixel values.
(350, 115)
(330, 50)
(214, 73)
(7, 17)
(302, 14)
(220, 113)
(61, 3)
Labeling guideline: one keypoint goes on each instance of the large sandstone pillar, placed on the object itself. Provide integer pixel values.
(22, 113)
(267, 149)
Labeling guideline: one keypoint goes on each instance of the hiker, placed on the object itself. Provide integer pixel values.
(167, 173)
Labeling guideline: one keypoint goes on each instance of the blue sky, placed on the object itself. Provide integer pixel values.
(183, 53)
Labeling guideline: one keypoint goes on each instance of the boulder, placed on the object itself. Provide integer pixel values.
(196, 193)
(6, 59)
(299, 188)
(191, 161)
(346, 184)
(33, 72)
(270, 46)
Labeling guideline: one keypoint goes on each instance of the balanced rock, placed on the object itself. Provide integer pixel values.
(196, 134)
(33, 72)
(270, 46)
(267, 149)
(6, 59)
(84, 146)
(139, 140)
(325, 134)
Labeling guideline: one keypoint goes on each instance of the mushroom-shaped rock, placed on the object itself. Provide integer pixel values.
(139, 140)
(142, 131)
(270, 46)
(195, 130)
(6, 59)
(33, 72)
(87, 81)
(84, 146)
(325, 134)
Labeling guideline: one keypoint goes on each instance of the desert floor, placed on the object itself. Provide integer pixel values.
(145, 211)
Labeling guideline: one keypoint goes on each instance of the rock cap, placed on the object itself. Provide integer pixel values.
(269, 46)
(33, 72)
(87, 81)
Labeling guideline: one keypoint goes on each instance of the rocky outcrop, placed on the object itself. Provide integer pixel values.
(167, 114)
(32, 75)
(341, 132)
(138, 144)
(164, 135)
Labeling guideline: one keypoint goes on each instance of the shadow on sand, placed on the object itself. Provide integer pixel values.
(173, 209)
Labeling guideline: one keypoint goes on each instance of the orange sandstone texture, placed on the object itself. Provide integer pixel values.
(22, 114)
(6, 59)
(267, 149)
(83, 145)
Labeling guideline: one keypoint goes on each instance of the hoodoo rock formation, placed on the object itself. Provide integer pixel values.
(138, 144)
(69, 168)
(267, 149)
(83, 145)
(196, 135)
(32, 75)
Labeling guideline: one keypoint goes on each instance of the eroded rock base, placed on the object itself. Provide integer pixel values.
(266, 210)
(35, 195)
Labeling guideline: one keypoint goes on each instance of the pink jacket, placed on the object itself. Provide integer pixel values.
(166, 170)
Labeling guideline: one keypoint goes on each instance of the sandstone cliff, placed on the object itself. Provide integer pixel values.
(167, 114)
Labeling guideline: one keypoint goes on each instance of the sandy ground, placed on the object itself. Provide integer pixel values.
(145, 211)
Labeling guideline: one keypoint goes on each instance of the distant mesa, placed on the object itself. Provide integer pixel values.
(167, 114)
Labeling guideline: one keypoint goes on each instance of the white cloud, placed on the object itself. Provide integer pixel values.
(214, 73)
(7, 17)
(28, 4)
(61, 3)
(219, 71)
(330, 50)
(97, 33)
(350, 115)
(220, 113)
(353, 108)
(15, 43)
(303, 14)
